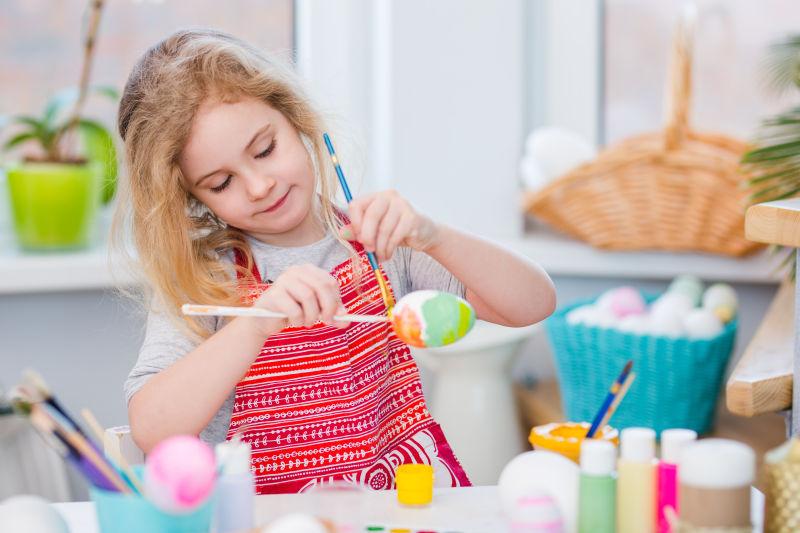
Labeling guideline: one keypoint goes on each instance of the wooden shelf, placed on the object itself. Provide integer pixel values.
(774, 223)
(762, 379)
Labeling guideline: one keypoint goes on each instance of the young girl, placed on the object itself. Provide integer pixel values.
(230, 202)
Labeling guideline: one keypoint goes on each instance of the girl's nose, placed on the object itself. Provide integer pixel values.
(258, 187)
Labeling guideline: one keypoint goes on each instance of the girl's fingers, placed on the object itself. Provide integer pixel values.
(328, 296)
(401, 231)
(386, 229)
(281, 302)
(355, 211)
(371, 220)
(306, 297)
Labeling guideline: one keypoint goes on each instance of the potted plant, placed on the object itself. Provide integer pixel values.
(69, 165)
(775, 161)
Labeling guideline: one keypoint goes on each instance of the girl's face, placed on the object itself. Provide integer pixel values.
(248, 165)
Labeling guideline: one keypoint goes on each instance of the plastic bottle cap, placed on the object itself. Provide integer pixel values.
(598, 457)
(233, 457)
(414, 484)
(672, 443)
(638, 444)
(717, 463)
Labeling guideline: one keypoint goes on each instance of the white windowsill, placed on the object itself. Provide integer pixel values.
(22, 272)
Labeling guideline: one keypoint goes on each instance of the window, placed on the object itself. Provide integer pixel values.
(731, 39)
(42, 41)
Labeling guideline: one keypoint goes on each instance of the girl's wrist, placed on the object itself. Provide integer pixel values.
(260, 328)
(429, 234)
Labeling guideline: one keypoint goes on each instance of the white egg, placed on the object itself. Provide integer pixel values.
(702, 324)
(557, 150)
(579, 315)
(30, 514)
(666, 324)
(636, 324)
(720, 295)
(671, 303)
(296, 523)
(533, 473)
(601, 318)
(532, 176)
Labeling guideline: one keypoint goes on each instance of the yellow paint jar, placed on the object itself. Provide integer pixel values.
(565, 437)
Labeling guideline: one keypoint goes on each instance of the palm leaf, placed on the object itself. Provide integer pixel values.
(783, 64)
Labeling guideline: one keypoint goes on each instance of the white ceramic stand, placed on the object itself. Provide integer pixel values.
(472, 397)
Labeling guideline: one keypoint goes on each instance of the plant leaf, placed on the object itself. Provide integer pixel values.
(19, 139)
(67, 97)
(783, 64)
(99, 146)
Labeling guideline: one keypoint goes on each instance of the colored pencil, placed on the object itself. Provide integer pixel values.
(373, 261)
(615, 388)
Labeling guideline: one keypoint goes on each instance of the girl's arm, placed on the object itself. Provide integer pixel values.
(183, 398)
(504, 287)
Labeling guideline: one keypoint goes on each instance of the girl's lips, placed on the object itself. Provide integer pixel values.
(277, 204)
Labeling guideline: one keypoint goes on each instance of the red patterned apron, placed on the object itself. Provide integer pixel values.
(325, 404)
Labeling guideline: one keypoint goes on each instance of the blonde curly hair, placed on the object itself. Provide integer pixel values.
(178, 241)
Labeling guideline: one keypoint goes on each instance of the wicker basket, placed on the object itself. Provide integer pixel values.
(678, 380)
(673, 190)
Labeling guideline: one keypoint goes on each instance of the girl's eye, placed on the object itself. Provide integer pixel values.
(268, 151)
(221, 187)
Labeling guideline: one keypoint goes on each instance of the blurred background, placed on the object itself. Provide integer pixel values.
(436, 99)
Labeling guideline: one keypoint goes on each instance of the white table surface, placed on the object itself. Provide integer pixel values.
(463, 510)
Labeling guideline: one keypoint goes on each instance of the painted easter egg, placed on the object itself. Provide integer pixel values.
(623, 301)
(179, 474)
(689, 285)
(536, 512)
(428, 319)
(721, 299)
(532, 473)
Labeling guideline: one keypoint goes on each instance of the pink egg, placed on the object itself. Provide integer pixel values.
(625, 301)
(179, 474)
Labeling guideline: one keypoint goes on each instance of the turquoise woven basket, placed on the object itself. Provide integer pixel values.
(677, 382)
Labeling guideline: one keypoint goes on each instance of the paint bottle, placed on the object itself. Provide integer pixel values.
(636, 483)
(673, 442)
(597, 495)
(233, 510)
(715, 476)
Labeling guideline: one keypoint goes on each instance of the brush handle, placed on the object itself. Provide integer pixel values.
(373, 261)
(221, 310)
(617, 399)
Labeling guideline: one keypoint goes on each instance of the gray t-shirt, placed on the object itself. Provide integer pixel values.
(165, 342)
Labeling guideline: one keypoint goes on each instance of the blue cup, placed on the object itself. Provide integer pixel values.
(131, 513)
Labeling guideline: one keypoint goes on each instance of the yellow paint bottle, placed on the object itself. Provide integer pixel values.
(636, 482)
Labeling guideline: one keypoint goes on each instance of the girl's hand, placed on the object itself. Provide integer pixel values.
(385, 220)
(305, 294)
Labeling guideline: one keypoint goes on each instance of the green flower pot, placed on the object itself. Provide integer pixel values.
(54, 206)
